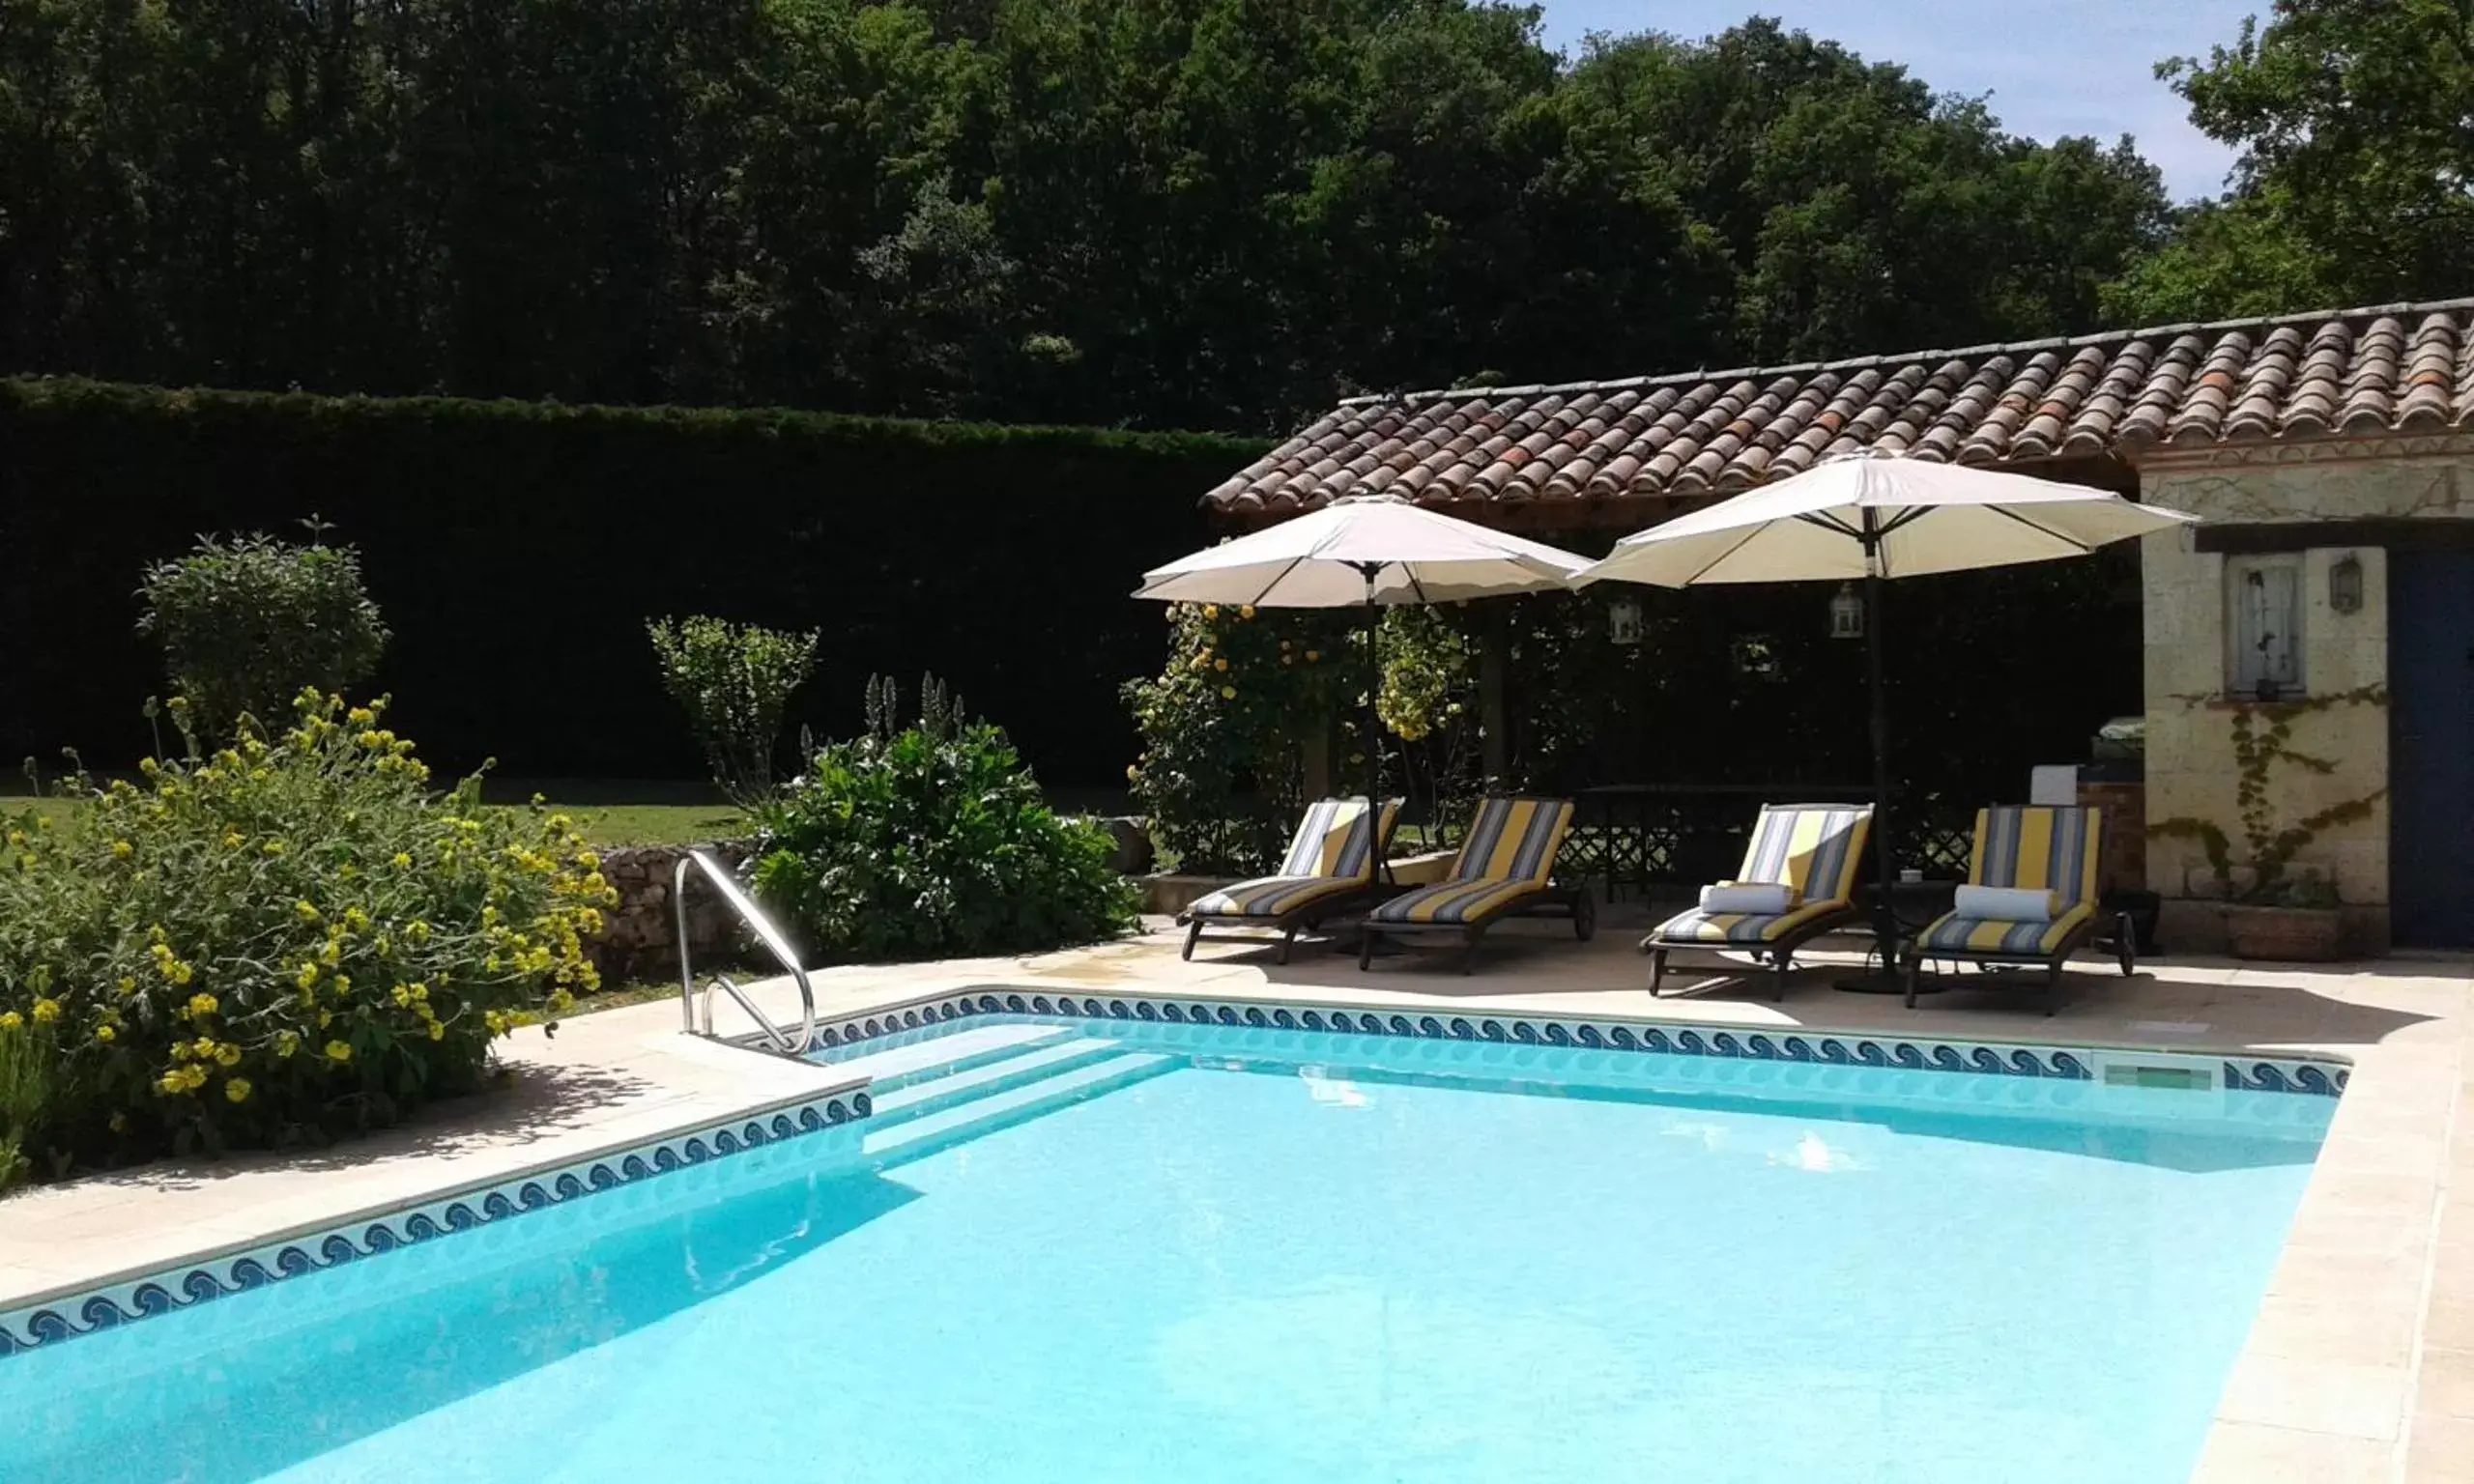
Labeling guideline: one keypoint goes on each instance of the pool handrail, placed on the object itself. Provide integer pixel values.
(736, 898)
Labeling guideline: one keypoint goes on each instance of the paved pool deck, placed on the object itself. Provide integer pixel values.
(2360, 1365)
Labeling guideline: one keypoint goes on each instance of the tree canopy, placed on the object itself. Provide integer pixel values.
(1157, 213)
(1198, 212)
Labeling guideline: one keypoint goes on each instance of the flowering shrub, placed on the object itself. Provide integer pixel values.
(935, 842)
(287, 939)
(1223, 724)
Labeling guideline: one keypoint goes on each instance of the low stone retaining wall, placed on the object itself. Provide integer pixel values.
(640, 936)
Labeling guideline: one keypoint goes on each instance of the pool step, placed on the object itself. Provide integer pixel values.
(940, 1056)
(920, 1095)
(927, 1133)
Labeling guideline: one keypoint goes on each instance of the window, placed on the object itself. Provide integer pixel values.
(2265, 627)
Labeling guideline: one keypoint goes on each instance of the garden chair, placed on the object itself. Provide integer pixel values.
(2029, 899)
(1797, 881)
(1501, 870)
(1334, 864)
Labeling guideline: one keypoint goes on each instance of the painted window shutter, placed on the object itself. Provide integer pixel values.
(2268, 613)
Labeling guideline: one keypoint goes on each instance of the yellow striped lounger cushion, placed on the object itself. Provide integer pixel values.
(1507, 854)
(1812, 849)
(2040, 847)
(1333, 853)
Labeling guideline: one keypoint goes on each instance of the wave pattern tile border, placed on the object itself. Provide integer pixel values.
(1907, 1053)
(65, 1319)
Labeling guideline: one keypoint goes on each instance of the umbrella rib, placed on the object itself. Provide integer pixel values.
(1749, 532)
(2083, 548)
(1264, 597)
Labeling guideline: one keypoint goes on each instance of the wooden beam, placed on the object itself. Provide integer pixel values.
(2396, 533)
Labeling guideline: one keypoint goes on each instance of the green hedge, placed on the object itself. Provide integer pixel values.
(504, 539)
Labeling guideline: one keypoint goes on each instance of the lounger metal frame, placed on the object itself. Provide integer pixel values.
(2053, 963)
(1779, 953)
(1547, 900)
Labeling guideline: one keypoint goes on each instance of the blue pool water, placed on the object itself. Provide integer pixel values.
(1099, 1254)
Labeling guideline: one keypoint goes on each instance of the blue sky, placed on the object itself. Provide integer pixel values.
(2065, 66)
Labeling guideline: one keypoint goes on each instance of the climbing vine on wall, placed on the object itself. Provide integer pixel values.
(2263, 738)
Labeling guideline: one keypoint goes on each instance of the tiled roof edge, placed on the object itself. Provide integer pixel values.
(1863, 362)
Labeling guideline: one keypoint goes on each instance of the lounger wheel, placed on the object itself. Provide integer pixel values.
(2125, 946)
(1584, 916)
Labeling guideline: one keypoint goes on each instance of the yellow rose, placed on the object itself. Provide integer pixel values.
(338, 1052)
(9, 1020)
(307, 910)
(104, 1034)
(1219, 664)
(1228, 693)
(437, 1031)
(236, 1089)
(402, 860)
(203, 1005)
(1246, 613)
(122, 849)
(1210, 609)
(47, 1012)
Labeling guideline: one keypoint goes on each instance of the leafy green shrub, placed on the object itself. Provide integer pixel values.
(282, 941)
(248, 623)
(735, 682)
(933, 842)
(26, 1056)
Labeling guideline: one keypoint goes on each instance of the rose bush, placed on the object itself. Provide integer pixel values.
(286, 939)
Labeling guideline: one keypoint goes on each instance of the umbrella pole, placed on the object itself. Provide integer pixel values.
(1885, 920)
(1373, 715)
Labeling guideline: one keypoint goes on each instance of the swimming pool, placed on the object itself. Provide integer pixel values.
(1120, 1249)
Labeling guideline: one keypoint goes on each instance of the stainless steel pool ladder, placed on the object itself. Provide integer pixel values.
(766, 933)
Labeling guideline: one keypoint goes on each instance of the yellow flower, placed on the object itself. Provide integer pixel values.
(1312, 655)
(307, 910)
(1283, 643)
(9, 1019)
(286, 1043)
(417, 930)
(360, 716)
(1228, 693)
(128, 985)
(402, 860)
(355, 920)
(232, 840)
(338, 1052)
(1219, 664)
(272, 847)
(203, 1005)
(1246, 613)
(308, 974)
(437, 1031)
(228, 1054)
(47, 1012)
(120, 1122)
(236, 1089)
(1210, 609)
(106, 1034)
(122, 849)
(203, 1048)
(1132, 772)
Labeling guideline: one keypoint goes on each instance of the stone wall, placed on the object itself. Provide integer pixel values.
(2191, 770)
(641, 936)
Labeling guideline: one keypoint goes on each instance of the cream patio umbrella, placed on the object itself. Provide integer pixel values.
(1362, 551)
(1877, 517)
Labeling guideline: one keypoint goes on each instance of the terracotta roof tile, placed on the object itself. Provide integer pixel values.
(2346, 374)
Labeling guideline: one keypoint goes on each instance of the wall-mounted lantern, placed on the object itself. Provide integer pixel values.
(1846, 613)
(1624, 622)
(2345, 584)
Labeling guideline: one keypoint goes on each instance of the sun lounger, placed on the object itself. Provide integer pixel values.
(2031, 898)
(1804, 858)
(1502, 870)
(1333, 865)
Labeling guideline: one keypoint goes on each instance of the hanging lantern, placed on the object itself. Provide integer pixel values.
(1847, 612)
(2345, 585)
(1624, 622)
